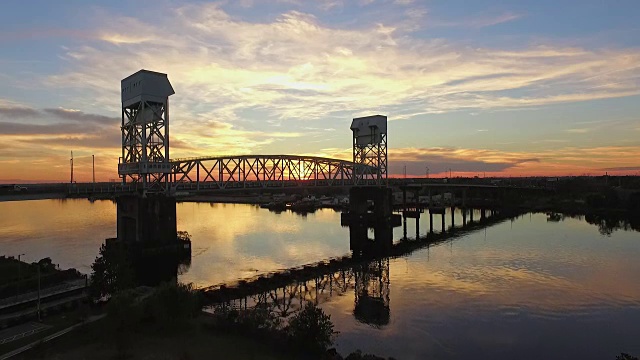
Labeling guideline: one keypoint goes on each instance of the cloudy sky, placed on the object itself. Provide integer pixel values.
(495, 87)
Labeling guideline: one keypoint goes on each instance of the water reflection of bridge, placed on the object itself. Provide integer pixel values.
(366, 273)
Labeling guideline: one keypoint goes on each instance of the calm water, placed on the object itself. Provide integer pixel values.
(526, 289)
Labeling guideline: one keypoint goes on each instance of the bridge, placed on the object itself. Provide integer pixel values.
(262, 171)
(145, 151)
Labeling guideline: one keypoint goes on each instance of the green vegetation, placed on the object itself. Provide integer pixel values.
(308, 333)
(18, 277)
(624, 356)
(312, 328)
(111, 272)
(168, 320)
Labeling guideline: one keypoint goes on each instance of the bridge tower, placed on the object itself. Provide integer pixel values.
(370, 150)
(145, 130)
(370, 171)
(148, 219)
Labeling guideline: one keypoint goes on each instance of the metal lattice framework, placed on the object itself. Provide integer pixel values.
(145, 130)
(259, 171)
(145, 160)
(370, 150)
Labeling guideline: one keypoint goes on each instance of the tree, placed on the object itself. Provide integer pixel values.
(311, 328)
(111, 272)
(173, 304)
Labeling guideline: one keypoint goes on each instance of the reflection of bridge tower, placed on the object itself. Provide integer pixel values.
(360, 243)
(372, 293)
(145, 130)
(370, 150)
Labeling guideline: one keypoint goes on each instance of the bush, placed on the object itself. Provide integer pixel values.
(311, 328)
(171, 304)
(624, 356)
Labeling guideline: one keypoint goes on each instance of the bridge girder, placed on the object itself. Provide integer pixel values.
(259, 171)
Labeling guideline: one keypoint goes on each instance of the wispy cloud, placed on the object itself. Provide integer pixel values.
(9, 111)
(297, 68)
(470, 162)
(478, 21)
(579, 130)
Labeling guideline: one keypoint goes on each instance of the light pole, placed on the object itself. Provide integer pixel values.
(19, 275)
(427, 171)
(38, 291)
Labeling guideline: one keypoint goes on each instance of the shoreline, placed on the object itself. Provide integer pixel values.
(542, 206)
(37, 196)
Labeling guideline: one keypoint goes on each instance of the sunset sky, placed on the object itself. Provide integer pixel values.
(506, 88)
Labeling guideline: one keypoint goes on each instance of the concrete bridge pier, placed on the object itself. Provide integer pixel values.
(404, 227)
(430, 222)
(464, 198)
(149, 220)
(359, 198)
(146, 228)
(464, 216)
(359, 241)
(453, 214)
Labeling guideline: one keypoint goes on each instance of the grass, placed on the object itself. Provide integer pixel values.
(193, 342)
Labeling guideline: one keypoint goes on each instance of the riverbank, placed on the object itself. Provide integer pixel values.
(27, 196)
(193, 342)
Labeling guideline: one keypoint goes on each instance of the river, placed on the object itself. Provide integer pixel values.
(530, 288)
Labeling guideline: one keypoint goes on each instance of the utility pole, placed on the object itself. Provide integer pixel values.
(71, 162)
(93, 162)
(19, 275)
(427, 171)
(38, 291)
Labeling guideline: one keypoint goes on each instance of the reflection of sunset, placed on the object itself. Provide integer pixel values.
(523, 273)
(255, 241)
(513, 277)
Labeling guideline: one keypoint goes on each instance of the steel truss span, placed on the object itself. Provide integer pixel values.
(259, 171)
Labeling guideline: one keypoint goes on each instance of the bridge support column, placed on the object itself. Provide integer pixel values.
(360, 244)
(359, 207)
(147, 220)
(464, 198)
(442, 216)
(430, 222)
(464, 216)
(453, 214)
(404, 226)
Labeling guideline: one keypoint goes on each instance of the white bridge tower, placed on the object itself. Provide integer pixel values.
(145, 130)
(370, 150)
